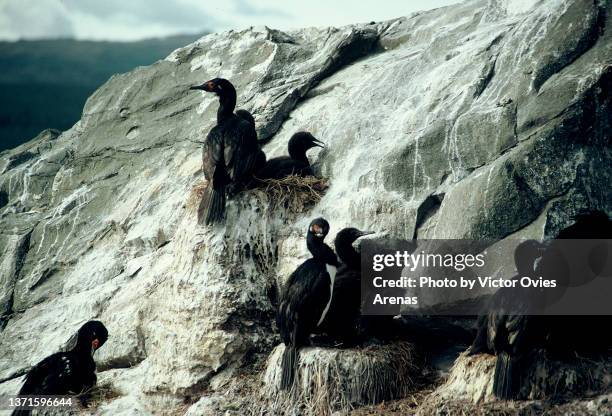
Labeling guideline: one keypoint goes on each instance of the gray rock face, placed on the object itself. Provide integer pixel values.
(484, 119)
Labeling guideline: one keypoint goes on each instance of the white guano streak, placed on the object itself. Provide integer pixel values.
(331, 270)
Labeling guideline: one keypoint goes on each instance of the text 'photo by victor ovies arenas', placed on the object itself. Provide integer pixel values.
(257, 207)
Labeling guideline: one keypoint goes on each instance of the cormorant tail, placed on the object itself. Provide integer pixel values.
(507, 378)
(288, 367)
(212, 205)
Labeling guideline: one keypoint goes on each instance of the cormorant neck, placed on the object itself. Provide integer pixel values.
(82, 349)
(348, 255)
(320, 250)
(314, 244)
(298, 154)
(227, 103)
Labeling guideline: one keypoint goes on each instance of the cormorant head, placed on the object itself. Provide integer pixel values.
(219, 86)
(92, 335)
(299, 144)
(347, 236)
(344, 245)
(525, 256)
(304, 140)
(318, 228)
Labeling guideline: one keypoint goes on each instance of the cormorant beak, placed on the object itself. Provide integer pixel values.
(357, 243)
(317, 143)
(207, 86)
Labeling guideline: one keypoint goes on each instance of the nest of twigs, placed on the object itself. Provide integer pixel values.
(329, 379)
(293, 193)
(99, 394)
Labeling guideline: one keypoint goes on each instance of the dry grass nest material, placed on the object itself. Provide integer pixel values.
(99, 394)
(330, 380)
(294, 193)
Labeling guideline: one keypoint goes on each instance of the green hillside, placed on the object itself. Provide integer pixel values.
(44, 83)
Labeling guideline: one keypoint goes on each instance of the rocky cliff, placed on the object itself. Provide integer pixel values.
(484, 119)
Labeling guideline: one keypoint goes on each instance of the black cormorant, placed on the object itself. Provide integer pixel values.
(341, 323)
(231, 151)
(507, 330)
(261, 156)
(585, 335)
(247, 116)
(296, 163)
(306, 298)
(66, 373)
(512, 336)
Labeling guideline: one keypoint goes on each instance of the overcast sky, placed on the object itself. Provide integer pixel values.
(137, 19)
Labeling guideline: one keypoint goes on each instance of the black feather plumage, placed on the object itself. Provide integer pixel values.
(231, 151)
(296, 163)
(67, 373)
(306, 299)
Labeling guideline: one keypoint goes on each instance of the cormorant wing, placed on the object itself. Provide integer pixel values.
(242, 156)
(315, 299)
(213, 154)
(50, 376)
(304, 299)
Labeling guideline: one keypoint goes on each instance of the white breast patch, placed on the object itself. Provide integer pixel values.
(331, 270)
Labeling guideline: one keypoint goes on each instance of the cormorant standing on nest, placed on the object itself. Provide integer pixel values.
(230, 152)
(342, 320)
(306, 298)
(296, 163)
(508, 333)
(66, 373)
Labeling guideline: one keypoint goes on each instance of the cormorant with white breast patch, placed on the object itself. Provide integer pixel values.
(67, 373)
(296, 163)
(306, 298)
(231, 151)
